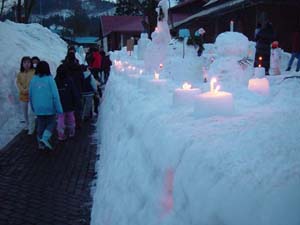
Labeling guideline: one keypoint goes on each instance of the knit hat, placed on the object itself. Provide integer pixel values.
(275, 44)
(201, 31)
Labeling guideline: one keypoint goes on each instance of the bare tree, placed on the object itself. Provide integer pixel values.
(148, 10)
(23, 11)
(2, 7)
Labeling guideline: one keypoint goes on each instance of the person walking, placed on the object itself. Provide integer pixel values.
(75, 72)
(45, 103)
(295, 50)
(23, 80)
(263, 39)
(70, 100)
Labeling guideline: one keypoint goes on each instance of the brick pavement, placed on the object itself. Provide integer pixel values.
(38, 188)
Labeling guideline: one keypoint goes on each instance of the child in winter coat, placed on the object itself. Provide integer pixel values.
(70, 100)
(23, 80)
(45, 103)
(89, 88)
(275, 58)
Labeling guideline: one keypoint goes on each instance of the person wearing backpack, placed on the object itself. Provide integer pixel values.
(70, 100)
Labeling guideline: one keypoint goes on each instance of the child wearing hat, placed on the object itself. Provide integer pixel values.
(275, 58)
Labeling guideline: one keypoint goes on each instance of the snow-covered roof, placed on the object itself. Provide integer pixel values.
(83, 40)
(210, 2)
(211, 10)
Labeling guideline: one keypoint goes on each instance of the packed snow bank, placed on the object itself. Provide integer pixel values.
(18, 40)
(160, 164)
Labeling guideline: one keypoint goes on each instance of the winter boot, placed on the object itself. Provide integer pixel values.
(45, 139)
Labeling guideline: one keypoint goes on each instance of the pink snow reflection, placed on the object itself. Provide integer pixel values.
(167, 201)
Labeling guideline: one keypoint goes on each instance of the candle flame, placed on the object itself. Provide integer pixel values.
(156, 76)
(212, 84)
(260, 58)
(161, 65)
(141, 71)
(214, 89)
(186, 86)
(259, 65)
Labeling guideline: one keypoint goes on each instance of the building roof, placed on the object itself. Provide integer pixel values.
(121, 24)
(216, 6)
(82, 40)
(209, 8)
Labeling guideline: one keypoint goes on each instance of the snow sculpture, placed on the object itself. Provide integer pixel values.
(232, 48)
(81, 53)
(142, 45)
(156, 51)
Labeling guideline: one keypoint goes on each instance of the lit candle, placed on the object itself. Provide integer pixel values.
(260, 86)
(156, 76)
(185, 95)
(259, 71)
(161, 65)
(231, 25)
(157, 81)
(214, 102)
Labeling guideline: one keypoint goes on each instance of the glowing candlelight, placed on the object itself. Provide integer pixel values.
(133, 68)
(141, 71)
(161, 65)
(185, 95)
(212, 84)
(259, 65)
(156, 76)
(214, 102)
(186, 86)
(260, 86)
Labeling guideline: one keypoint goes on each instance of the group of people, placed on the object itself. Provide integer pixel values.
(63, 102)
(268, 53)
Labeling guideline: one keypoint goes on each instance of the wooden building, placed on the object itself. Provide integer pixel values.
(215, 16)
(116, 30)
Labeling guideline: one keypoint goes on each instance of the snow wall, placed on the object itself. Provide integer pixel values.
(16, 41)
(161, 165)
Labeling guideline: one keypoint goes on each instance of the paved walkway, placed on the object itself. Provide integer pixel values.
(38, 188)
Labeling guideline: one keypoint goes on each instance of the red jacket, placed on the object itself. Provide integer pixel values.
(296, 42)
(97, 59)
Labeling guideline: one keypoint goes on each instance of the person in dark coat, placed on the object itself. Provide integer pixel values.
(75, 72)
(295, 50)
(200, 41)
(106, 63)
(70, 100)
(263, 39)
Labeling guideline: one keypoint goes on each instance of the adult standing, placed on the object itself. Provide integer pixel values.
(295, 50)
(263, 39)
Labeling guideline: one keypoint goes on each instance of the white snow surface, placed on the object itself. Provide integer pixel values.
(16, 41)
(159, 164)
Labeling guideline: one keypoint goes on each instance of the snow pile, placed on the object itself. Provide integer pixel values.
(160, 164)
(232, 44)
(231, 47)
(18, 40)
